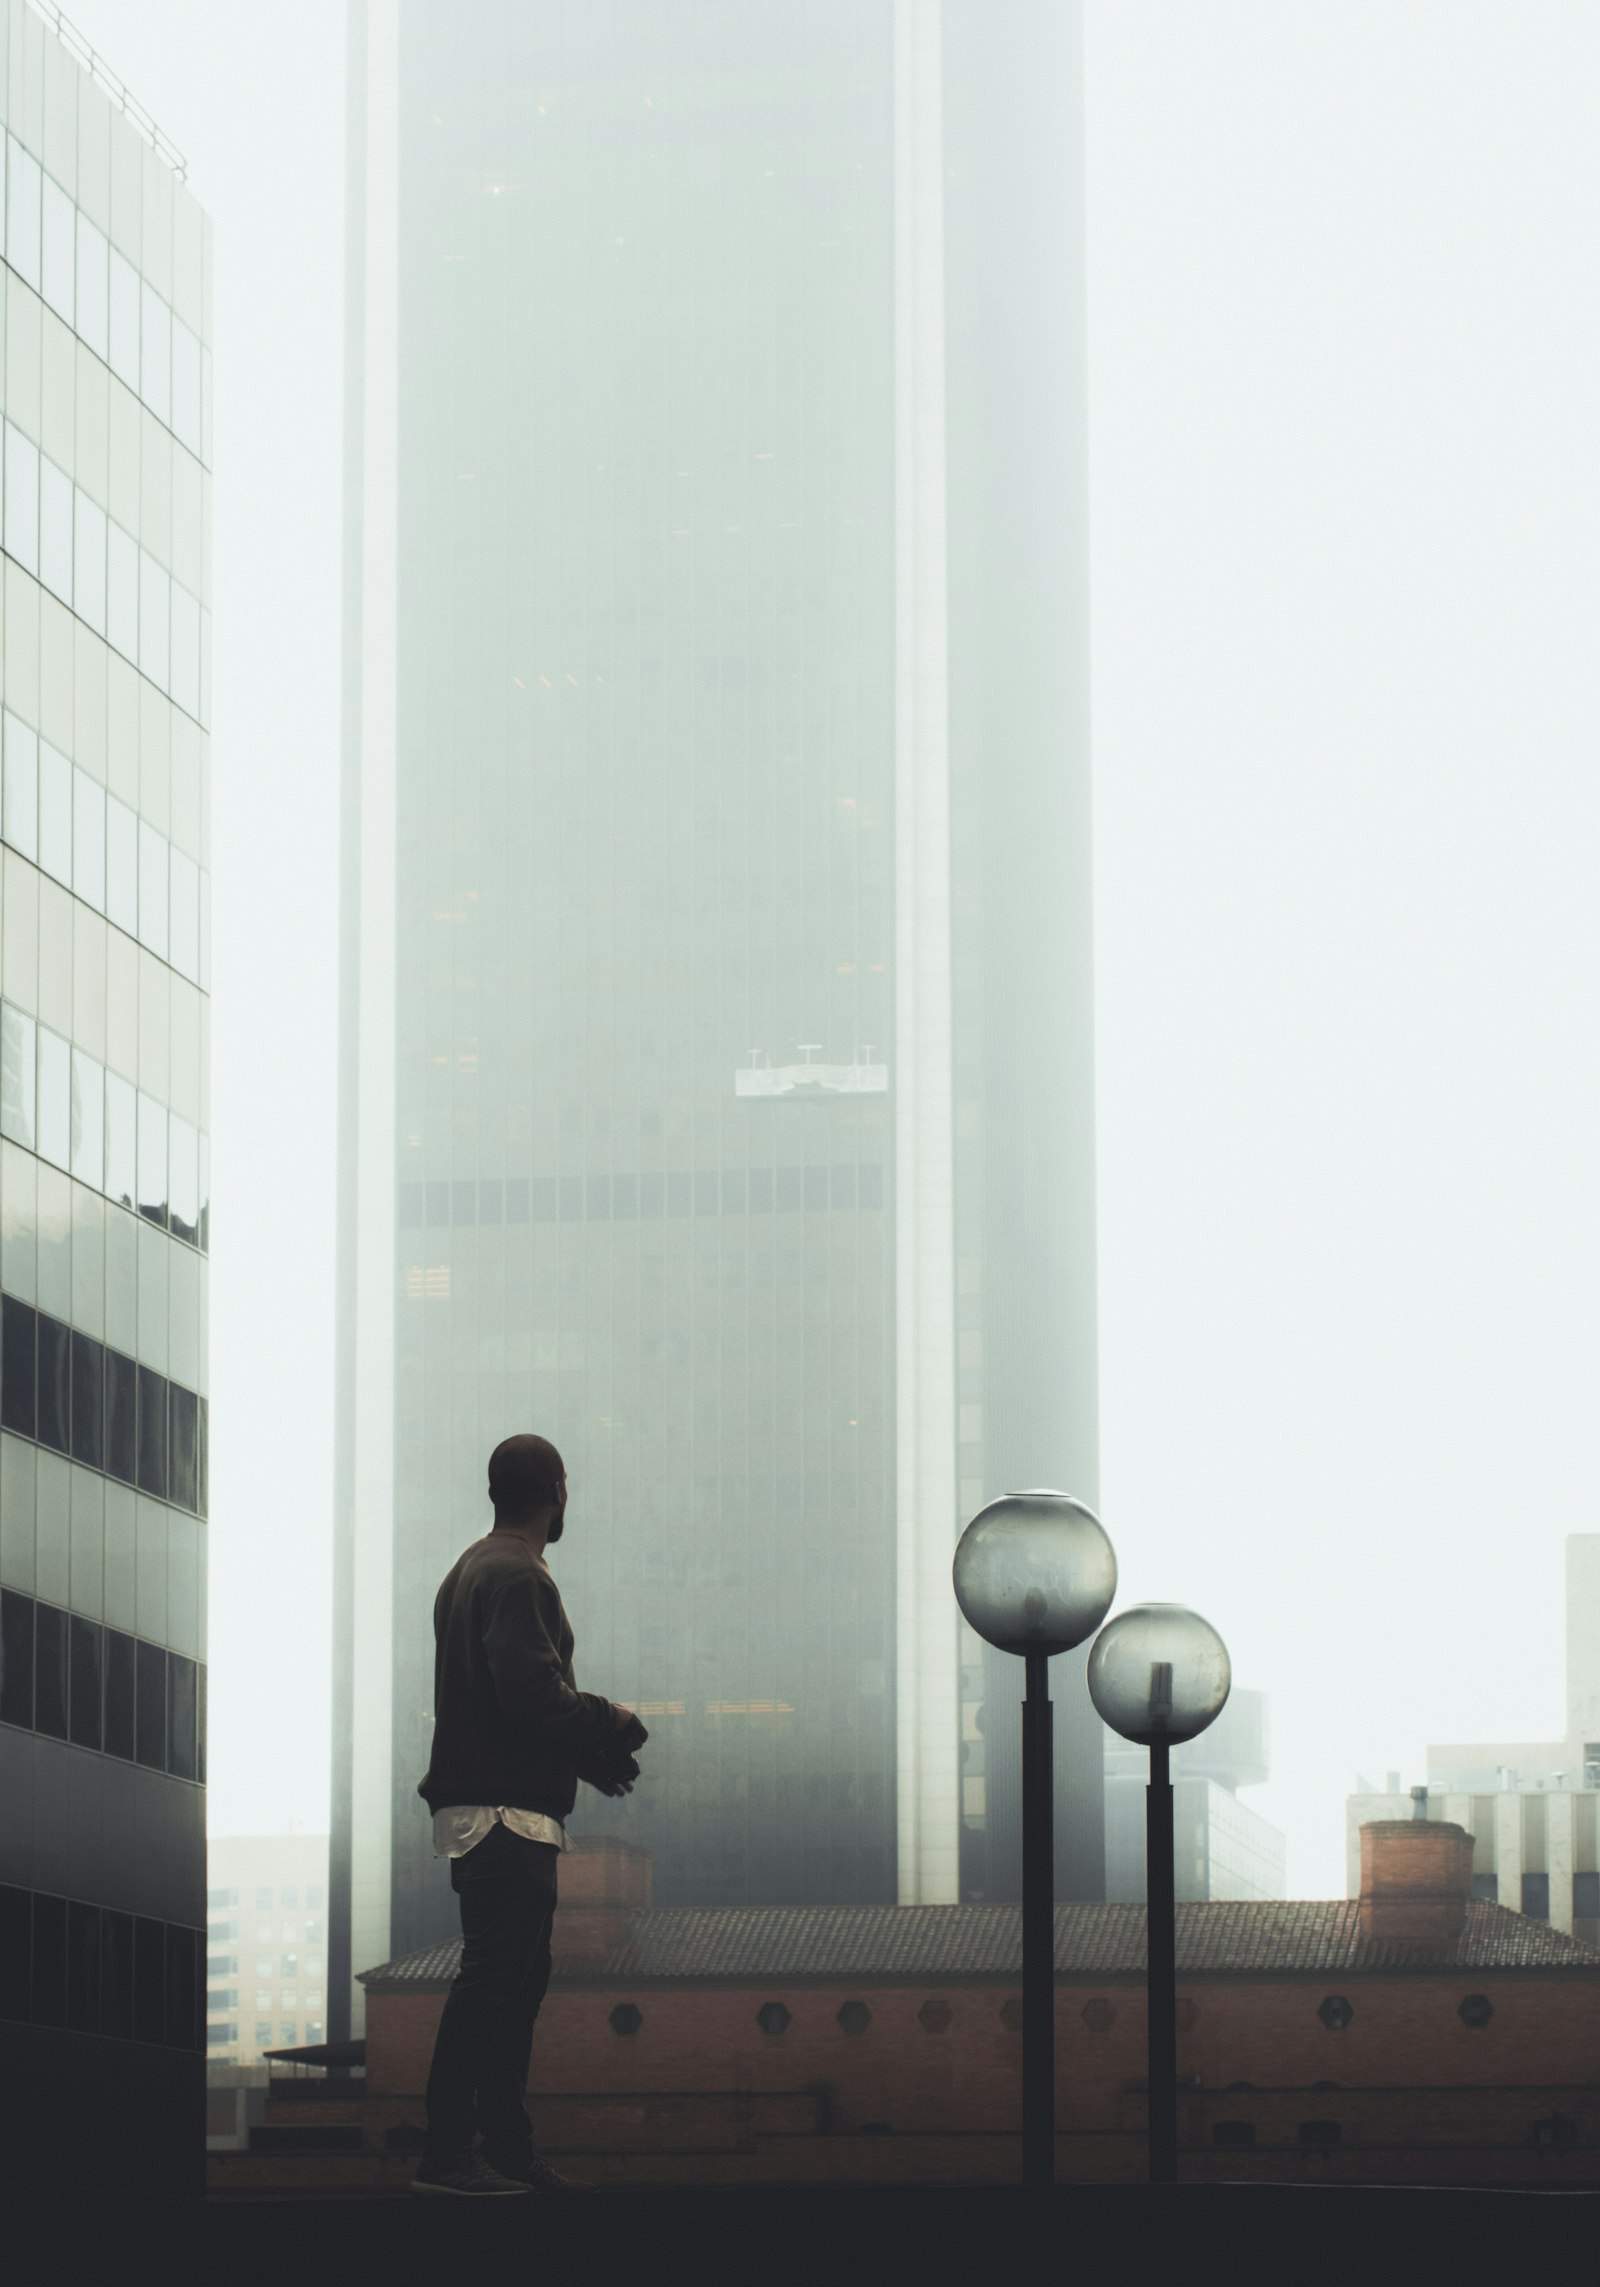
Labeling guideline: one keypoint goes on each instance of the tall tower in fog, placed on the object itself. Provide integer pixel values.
(717, 1072)
(104, 1040)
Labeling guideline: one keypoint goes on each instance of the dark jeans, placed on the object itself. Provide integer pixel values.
(507, 1889)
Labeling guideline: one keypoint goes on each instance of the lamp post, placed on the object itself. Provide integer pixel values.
(1035, 1574)
(1159, 1674)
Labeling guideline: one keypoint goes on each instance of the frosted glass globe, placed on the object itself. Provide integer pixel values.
(1034, 1572)
(1158, 1671)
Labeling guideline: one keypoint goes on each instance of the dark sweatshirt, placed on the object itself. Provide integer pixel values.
(510, 1726)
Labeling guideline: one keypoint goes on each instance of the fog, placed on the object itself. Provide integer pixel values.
(1343, 371)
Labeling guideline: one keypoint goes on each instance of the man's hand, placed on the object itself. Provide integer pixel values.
(612, 1774)
(631, 1733)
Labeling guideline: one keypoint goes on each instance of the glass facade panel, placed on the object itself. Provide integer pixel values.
(124, 321)
(89, 841)
(58, 261)
(122, 866)
(55, 530)
(18, 1077)
(93, 288)
(21, 812)
(24, 212)
(55, 814)
(22, 498)
(54, 1138)
(89, 562)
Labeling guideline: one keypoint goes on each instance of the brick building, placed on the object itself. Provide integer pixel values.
(1410, 2035)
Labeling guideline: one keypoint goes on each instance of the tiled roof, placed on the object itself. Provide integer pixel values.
(1238, 1937)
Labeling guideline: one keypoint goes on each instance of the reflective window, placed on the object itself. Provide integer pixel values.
(152, 1160)
(22, 498)
(85, 1695)
(93, 287)
(16, 1659)
(122, 1418)
(88, 1401)
(119, 1694)
(89, 562)
(50, 1671)
(122, 592)
(155, 615)
(55, 814)
(185, 668)
(54, 1383)
(184, 1180)
(185, 386)
(55, 1099)
(55, 531)
(18, 1371)
(88, 1120)
(59, 251)
(18, 1075)
(184, 930)
(89, 841)
(155, 364)
(150, 1706)
(21, 812)
(122, 866)
(23, 203)
(121, 1140)
(152, 890)
(124, 321)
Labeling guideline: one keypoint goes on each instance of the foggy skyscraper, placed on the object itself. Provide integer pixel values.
(717, 1068)
(104, 1042)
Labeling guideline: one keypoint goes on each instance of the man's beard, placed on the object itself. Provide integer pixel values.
(558, 1525)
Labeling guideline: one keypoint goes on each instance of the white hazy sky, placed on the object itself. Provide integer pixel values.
(1345, 372)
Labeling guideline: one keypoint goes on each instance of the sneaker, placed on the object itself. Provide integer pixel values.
(532, 2174)
(470, 2177)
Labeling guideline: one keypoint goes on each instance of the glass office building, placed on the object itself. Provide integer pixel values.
(104, 1216)
(716, 984)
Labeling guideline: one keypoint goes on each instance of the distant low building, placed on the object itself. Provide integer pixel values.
(266, 1945)
(1532, 1807)
(1413, 2035)
(1222, 1848)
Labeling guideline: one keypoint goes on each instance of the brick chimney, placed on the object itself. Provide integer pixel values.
(603, 1883)
(1416, 1881)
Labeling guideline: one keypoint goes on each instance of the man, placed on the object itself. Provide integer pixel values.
(512, 1737)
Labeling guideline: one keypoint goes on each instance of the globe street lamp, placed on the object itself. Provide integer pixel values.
(1035, 1574)
(1158, 1673)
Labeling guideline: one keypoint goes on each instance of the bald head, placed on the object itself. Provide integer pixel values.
(527, 1480)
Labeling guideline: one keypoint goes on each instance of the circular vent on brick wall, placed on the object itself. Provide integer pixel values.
(625, 2018)
(772, 2017)
(1336, 2013)
(854, 2017)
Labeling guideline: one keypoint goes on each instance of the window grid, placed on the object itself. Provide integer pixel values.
(60, 1102)
(90, 1969)
(69, 262)
(65, 1676)
(64, 1390)
(114, 586)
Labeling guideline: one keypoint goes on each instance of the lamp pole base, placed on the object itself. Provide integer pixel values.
(1162, 1969)
(1038, 1927)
